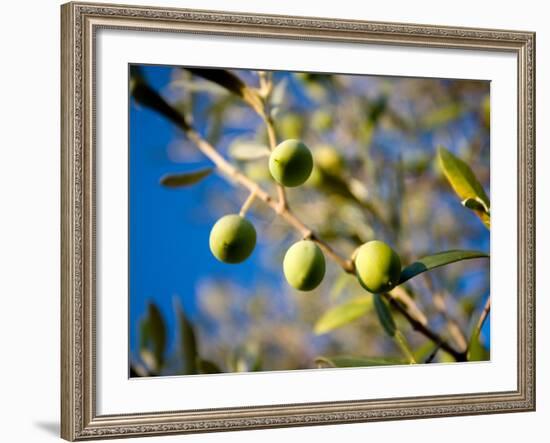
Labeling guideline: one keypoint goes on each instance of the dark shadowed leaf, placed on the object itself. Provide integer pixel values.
(343, 314)
(153, 338)
(233, 84)
(344, 361)
(207, 367)
(464, 183)
(185, 179)
(188, 343)
(148, 97)
(475, 204)
(440, 259)
(384, 315)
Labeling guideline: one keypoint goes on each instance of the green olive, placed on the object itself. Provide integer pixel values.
(321, 120)
(232, 239)
(291, 163)
(290, 125)
(329, 160)
(304, 265)
(378, 267)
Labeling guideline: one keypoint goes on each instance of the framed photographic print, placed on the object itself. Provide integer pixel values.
(282, 221)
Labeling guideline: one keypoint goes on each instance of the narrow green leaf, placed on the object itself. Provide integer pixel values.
(440, 259)
(464, 183)
(344, 361)
(188, 343)
(185, 179)
(442, 115)
(247, 150)
(476, 351)
(207, 367)
(343, 314)
(475, 204)
(152, 338)
(340, 284)
(148, 97)
(233, 84)
(384, 315)
(403, 344)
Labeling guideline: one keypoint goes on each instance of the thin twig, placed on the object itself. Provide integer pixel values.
(452, 324)
(425, 330)
(247, 203)
(483, 316)
(270, 126)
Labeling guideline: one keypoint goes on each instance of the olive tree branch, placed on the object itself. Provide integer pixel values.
(425, 330)
(284, 212)
(247, 203)
(145, 95)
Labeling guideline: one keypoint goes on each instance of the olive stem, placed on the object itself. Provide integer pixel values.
(272, 136)
(247, 203)
(483, 316)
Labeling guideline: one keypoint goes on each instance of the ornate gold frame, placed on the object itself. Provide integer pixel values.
(80, 21)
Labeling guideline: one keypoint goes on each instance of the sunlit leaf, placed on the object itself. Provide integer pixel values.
(464, 183)
(188, 343)
(441, 116)
(436, 260)
(404, 345)
(384, 315)
(343, 314)
(207, 367)
(185, 178)
(248, 150)
(340, 284)
(278, 97)
(344, 361)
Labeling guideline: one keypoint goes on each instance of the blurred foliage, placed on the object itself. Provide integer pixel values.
(378, 174)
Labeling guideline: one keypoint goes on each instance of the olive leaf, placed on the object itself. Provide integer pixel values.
(436, 260)
(188, 343)
(153, 338)
(278, 97)
(345, 361)
(207, 367)
(247, 150)
(442, 115)
(343, 314)
(465, 184)
(233, 84)
(185, 179)
(146, 96)
(384, 315)
(476, 351)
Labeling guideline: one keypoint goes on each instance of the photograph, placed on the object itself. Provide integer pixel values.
(282, 221)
